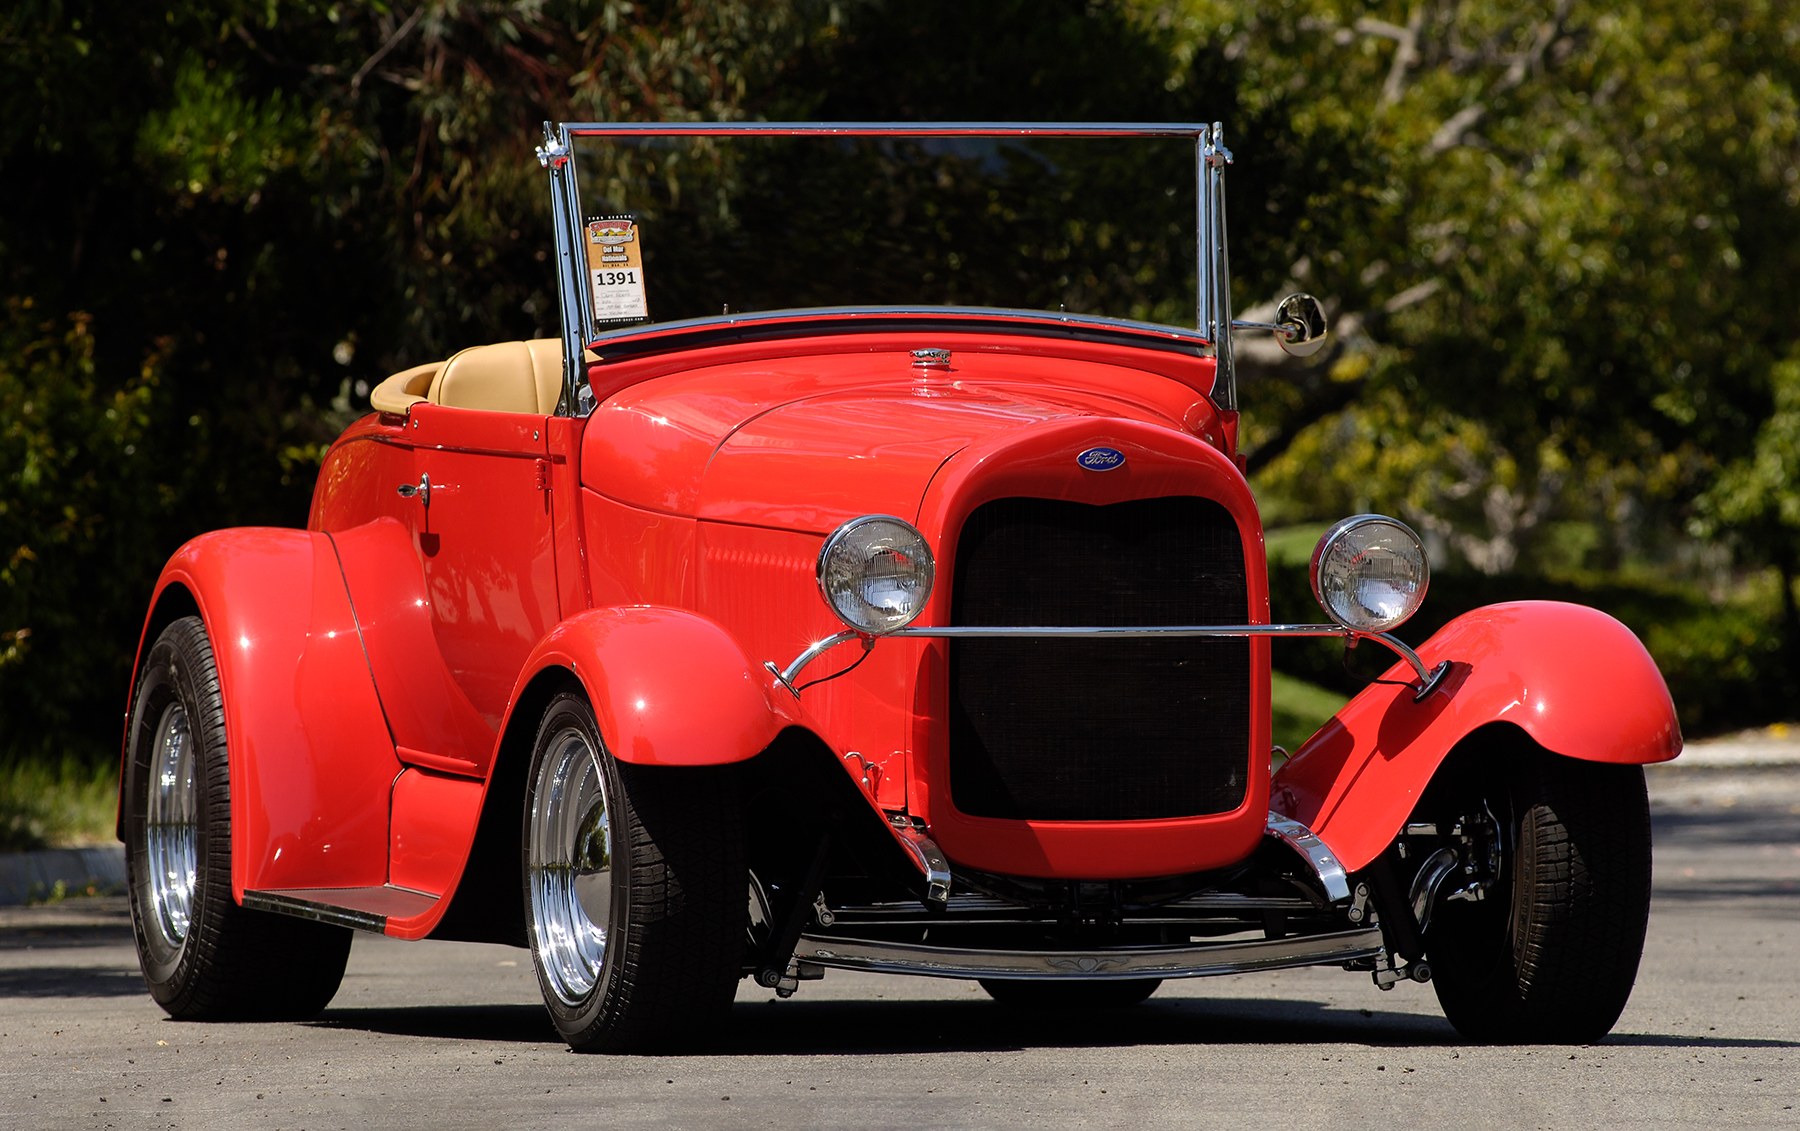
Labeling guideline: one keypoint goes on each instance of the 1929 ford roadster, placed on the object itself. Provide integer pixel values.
(902, 638)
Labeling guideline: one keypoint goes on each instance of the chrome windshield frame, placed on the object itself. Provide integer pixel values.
(1213, 305)
(1214, 315)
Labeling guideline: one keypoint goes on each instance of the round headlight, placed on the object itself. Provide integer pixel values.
(876, 573)
(1369, 573)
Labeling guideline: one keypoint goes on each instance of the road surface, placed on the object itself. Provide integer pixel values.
(449, 1035)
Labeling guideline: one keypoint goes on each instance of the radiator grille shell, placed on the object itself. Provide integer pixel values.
(1099, 730)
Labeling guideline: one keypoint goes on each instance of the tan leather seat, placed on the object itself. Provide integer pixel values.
(503, 377)
(404, 389)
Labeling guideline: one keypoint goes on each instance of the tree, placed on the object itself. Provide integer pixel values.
(225, 220)
(1556, 236)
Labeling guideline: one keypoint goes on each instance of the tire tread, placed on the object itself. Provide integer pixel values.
(1560, 961)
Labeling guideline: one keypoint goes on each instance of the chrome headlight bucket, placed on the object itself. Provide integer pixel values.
(1369, 573)
(876, 573)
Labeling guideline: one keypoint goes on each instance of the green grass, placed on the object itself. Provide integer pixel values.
(1300, 709)
(56, 805)
(1293, 545)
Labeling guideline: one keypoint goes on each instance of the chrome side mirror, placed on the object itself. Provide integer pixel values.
(1299, 325)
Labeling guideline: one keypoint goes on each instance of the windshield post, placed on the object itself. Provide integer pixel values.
(1215, 267)
(565, 221)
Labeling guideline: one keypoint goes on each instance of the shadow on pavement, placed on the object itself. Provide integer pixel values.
(853, 1028)
(882, 1028)
(1743, 826)
(527, 1024)
(70, 982)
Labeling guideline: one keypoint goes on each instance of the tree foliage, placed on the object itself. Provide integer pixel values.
(226, 219)
(1558, 241)
(1554, 233)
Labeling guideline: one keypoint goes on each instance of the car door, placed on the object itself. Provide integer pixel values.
(442, 521)
(482, 523)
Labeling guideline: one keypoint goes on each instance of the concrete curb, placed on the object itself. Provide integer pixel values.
(1777, 745)
(27, 877)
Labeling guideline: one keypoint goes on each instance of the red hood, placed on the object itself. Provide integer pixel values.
(805, 440)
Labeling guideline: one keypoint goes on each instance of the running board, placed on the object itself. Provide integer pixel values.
(1195, 961)
(365, 909)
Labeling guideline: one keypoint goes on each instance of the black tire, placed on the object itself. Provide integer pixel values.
(634, 881)
(204, 957)
(1071, 996)
(1551, 955)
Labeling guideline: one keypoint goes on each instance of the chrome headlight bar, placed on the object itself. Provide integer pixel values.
(1428, 677)
(876, 572)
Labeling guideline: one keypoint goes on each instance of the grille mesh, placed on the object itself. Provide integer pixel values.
(1095, 730)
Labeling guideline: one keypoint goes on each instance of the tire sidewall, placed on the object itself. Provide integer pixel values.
(1548, 959)
(571, 710)
(178, 669)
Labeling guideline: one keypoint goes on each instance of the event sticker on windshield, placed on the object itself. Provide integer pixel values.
(616, 265)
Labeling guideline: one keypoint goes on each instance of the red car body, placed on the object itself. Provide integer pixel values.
(475, 551)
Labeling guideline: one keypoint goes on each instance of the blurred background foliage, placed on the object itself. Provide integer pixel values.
(1559, 241)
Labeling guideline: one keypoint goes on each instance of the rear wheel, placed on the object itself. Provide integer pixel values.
(1071, 996)
(1551, 954)
(634, 890)
(204, 957)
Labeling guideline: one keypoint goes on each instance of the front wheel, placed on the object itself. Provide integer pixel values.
(1549, 957)
(204, 957)
(634, 883)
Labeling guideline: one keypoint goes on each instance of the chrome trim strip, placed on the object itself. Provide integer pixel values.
(317, 912)
(1314, 851)
(977, 910)
(818, 648)
(978, 318)
(887, 129)
(1124, 962)
(930, 860)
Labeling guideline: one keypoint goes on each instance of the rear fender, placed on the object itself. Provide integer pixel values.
(310, 757)
(668, 687)
(1572, 678)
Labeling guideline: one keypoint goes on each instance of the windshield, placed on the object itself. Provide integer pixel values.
(679, 225)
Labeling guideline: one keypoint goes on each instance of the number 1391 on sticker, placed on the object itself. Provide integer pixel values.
(619, 295)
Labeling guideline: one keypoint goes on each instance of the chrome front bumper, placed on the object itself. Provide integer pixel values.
(1197, 960)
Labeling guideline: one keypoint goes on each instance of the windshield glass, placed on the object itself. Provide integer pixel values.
(676, 227)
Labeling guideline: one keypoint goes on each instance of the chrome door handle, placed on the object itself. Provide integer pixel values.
(420, 490)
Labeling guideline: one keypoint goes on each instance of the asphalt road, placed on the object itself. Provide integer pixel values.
(447, 1035)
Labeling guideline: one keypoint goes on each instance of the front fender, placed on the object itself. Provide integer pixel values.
(668, 687)
(310, 758)
(1575, 680)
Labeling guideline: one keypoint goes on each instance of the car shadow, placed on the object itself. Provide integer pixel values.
(70, 982)
(1741, 826)
(1768, 898)
(884, 1028)
(979, 1025)
(513, 1024)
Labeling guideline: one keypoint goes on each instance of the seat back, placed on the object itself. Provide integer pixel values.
(503, 377)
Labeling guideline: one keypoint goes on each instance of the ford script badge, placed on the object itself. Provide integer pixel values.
(1101, 459)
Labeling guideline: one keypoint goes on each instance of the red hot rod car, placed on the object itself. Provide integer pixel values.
(775, 637)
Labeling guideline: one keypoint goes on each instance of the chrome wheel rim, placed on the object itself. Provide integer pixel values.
(570, 866)
(171, 834)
